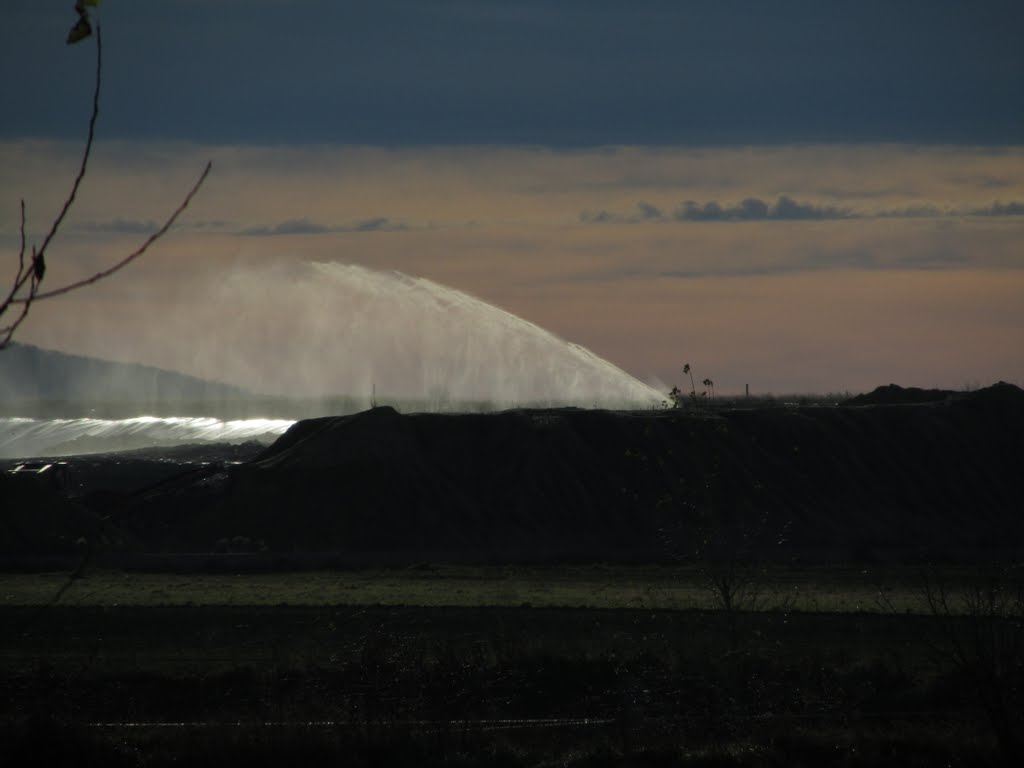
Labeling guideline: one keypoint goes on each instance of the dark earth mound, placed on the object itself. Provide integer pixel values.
(574, 484)
(893, 394)
(936, 479)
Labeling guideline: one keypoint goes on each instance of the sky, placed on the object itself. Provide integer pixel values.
(796, 196)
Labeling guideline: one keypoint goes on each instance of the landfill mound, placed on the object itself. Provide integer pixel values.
(936, 477)
(900, 478)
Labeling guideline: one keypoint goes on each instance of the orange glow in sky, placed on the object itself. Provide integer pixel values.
(889, 263)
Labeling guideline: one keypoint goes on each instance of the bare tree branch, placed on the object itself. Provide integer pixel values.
(21, 250)
(7, 331)
(88, 145)
(134, 254)
(25, 286)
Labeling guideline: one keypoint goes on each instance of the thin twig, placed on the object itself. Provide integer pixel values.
(33, 274)
(23, 276)
(17, 282)
(21, 250)
(88, 146)
(8, 331)
(134, 254)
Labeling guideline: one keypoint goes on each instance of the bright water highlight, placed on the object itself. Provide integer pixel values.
(26, 437)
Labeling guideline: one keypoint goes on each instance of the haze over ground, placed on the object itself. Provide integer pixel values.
(801, 196)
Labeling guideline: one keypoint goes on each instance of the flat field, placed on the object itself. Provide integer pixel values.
(488, 666)
(828, 589)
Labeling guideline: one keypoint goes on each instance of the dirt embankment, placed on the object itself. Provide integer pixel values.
(938, 478)
(933, 477)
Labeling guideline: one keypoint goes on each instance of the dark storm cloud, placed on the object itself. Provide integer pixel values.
(600, 217)
(209, 226)
(644, 212)
(289, 227)
(787, 209)
(557, 73)
(1001, 209)
(750, 209)
(929, 211)
(648, 211)
(118, 226)
(923, 211)
(307, 227)
(754, 209)
(378, 224)
(132, 227)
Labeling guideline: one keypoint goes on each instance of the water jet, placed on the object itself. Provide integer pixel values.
(332, 329)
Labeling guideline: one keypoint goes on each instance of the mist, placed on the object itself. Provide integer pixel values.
(329, 330)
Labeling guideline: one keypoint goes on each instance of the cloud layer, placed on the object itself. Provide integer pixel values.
(787, 209)
(304, 226)
(523, 72)
(884, 263)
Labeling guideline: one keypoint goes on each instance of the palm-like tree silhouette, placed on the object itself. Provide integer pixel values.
(693, 387)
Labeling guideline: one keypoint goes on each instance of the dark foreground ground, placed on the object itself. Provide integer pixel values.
(901, 475)
(442, 677)
(160, 684)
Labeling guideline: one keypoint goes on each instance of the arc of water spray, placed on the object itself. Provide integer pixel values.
(577, 374)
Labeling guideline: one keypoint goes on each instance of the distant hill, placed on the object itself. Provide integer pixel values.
(935, 481)
(893, 394)
(936, 477)
(31, 373)
(891, 481)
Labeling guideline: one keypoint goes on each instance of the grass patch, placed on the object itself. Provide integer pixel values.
(660, 685)
(812, 589)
